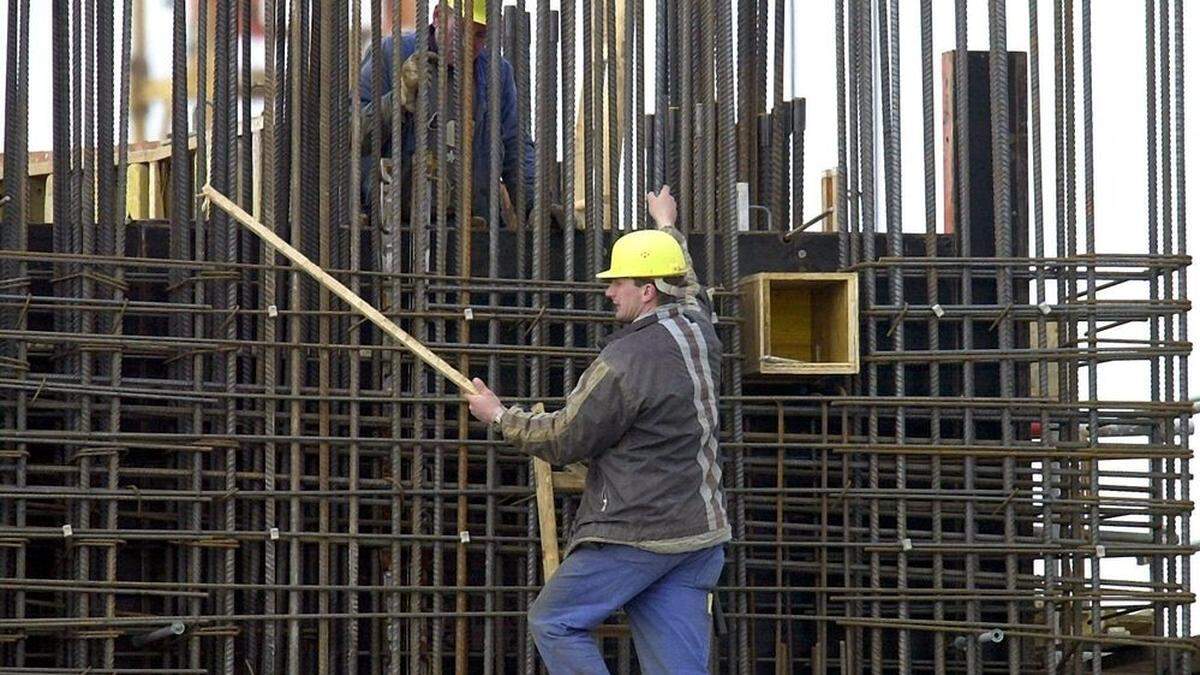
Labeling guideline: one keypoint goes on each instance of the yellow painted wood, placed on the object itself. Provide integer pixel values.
(155, 183)
(35, 200)
(137, 196)
(829, 192)
(36, 206)
(790, 318)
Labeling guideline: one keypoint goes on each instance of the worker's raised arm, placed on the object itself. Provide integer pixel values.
(663, 212)
(596, 415)
(410, 73)
(518, 148)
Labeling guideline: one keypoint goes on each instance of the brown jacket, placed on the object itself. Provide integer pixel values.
(644, 416)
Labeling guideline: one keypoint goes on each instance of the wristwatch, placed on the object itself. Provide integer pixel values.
(499, 415)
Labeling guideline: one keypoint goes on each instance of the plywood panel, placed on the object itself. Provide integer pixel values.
(791, 317)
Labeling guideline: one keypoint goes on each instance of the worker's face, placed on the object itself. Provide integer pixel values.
(630, 299)
(448, 39)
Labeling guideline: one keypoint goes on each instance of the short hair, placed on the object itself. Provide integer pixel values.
(663, 298)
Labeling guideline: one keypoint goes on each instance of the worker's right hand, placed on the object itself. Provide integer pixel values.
(485, 405)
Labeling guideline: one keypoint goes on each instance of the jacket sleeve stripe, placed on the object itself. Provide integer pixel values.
(690, 353)
(706, 377)
(525, 427)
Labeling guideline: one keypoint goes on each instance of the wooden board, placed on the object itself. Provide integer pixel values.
(979, 212)
(543, 477)
(547, 520)
(753, 324)
(48, 200)
(829, 194)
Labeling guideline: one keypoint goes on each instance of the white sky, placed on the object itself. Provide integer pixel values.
(1119, 125)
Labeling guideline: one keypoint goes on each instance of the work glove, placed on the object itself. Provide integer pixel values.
(410, 84)
(410, 78)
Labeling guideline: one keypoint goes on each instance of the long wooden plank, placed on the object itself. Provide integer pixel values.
(339, 289)
(543, 477)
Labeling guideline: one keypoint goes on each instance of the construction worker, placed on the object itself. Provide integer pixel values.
(515, 147)
(649, 531)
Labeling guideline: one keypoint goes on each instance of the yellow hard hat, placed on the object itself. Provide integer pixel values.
(480, 12)
(645, 254)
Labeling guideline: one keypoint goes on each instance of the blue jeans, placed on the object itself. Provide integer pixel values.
(665, 597)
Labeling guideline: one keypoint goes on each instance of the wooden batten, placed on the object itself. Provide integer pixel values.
(829, 195)
(137, 192)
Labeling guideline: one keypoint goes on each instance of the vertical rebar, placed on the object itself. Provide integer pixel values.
(1168, 283)
(1049, 561)
(964, 225)
(295, 363)
(727, 191)
(661, 82)
(196, 327)
(1184, 391)
(1156, 434)
(1001, 198)
(932, 328)
(16, 235)
(495, 16)
(271, 159)
(419, 224)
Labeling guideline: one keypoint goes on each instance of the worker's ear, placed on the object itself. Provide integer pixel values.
(649, 292)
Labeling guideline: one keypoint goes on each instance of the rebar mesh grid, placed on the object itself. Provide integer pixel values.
(207, 465)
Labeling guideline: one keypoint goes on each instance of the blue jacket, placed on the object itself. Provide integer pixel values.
(516, 147)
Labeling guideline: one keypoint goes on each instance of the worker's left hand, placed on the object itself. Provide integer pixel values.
(410, 78)
(661, 207)
(484, 403)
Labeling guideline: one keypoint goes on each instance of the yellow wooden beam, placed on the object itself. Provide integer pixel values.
(339, 289)
(137, 196)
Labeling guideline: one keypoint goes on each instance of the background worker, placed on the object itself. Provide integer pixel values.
(515, 146)
(649, 532)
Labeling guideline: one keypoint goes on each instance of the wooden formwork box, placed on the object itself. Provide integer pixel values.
(800, 323)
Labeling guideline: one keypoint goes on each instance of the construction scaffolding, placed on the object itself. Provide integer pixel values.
(210, 464)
